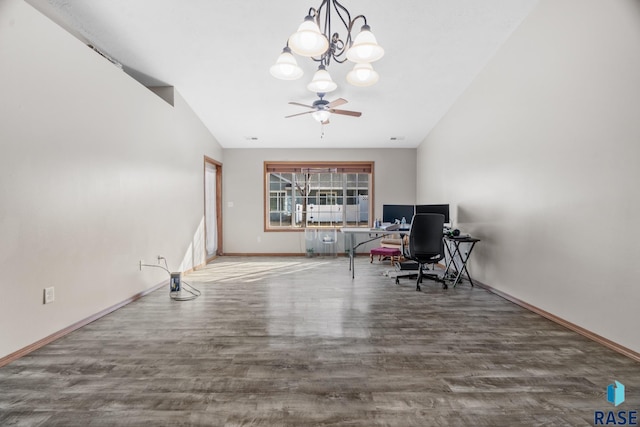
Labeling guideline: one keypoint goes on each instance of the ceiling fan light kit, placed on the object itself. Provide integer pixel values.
(321, 115)
(322, 109)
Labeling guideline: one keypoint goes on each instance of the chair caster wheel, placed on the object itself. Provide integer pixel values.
(444, 286)
(397, 281)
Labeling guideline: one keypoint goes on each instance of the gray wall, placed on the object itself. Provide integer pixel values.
(96, 173)
(540, 159)
(243, 192)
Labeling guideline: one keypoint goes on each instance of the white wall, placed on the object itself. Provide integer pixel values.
(96, 173)
(243, 187)
(540, 156)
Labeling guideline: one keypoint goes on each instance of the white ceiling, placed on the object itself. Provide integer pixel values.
(217, 54)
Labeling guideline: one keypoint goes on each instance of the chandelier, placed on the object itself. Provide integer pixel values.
(318, 40)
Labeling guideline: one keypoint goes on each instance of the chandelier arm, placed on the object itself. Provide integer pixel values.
(346, 22)
(343, 46)
(337, 46)
(318, 11)
(338, 60)
(352, 23)
(364, 18)
(327, 32)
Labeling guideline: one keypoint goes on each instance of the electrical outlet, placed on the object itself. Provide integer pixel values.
(49, 295)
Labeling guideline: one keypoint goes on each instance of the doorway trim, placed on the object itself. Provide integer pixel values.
(218, 165)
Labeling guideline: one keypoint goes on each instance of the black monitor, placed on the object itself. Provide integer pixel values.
(392, 212)
(437, 209)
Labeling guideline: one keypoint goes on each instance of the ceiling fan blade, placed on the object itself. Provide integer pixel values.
(346, 112)
(299, 114)
(337, 102)
(301, 105)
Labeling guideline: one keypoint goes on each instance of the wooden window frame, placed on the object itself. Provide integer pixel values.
(367, 167)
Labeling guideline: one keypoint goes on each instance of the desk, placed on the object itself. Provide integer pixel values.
(373, 234)
(463, 258)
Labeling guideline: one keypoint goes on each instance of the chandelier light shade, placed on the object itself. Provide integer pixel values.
(365, 48)
(286, 67)
(317, 39)
(308, 40)
(321, 115)
(363, 74)
(322, 82)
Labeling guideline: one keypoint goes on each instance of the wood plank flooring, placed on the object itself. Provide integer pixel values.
(297, 342)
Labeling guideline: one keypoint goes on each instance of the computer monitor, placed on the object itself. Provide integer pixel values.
(392, 212)
(437, 209)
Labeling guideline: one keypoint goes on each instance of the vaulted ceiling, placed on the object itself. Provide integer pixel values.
(217, 54)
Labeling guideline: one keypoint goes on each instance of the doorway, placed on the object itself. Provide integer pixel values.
(212, 208)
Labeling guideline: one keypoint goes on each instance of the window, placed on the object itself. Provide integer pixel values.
(300, 195)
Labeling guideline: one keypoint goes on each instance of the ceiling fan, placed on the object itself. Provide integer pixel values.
(321, 109)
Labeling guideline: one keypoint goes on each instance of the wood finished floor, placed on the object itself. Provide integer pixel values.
(296, 342)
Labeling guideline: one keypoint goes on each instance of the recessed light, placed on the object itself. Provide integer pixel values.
(251, 138)
(397, 138)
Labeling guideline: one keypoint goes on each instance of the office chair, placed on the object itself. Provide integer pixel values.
(426, 245)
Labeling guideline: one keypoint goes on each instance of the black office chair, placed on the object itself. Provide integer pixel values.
(426, 245)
